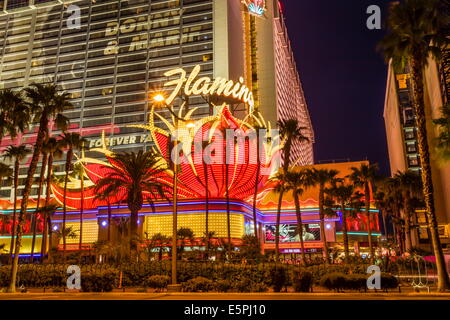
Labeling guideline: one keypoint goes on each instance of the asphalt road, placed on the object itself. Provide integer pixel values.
(223, 296)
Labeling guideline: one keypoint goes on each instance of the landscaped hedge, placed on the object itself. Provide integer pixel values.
(339, 281)
(224, 276)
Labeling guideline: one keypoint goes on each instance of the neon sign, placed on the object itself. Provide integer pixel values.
(255, 7)
(207, 86)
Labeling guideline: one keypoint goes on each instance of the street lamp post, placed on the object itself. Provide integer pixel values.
(159, 98)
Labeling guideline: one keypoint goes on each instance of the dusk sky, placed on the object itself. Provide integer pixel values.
(343, 76)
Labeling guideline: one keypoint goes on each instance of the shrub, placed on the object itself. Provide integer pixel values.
(333, 281)
(223, 285)
(302, 281)
(158, 282)
(98, 281)
(388, 281)
(244, 285)
(278, 278)
(198, 284)
(355, 282)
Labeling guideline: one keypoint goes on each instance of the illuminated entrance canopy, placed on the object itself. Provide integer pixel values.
(206, 86)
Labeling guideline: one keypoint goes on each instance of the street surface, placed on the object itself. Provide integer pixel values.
(224, 296)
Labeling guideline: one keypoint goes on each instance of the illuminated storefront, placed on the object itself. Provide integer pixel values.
(121, 53)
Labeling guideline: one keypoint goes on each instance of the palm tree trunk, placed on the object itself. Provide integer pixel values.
(255, 194)
(369, 220)
(277, 232)
(13, 227)
(109, 220)
(205, 172)
(47, 233)
(43, 125)
(322, 224)
(344, 231)
(41, 183)
(66, 180)
(227, 195)
(427, 180)
(81, 208)
(134, 215)
(299, 224)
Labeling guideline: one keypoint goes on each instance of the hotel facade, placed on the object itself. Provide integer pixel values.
(401, 134)
(111, 56)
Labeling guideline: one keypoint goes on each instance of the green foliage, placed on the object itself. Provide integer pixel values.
(98, 281)
(158, 282)
(333, 281)
(223, 285)
(388, 281)
(198, 284)
(278, 277)
(302, 281)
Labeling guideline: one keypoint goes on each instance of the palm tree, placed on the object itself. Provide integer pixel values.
(78, 170)
(134, 179)
(390, 202)
(105, 196)
(71, 141)
(348, 200)
(296, 182)
(257, 127)
(416, 31)
(279, 188)
(290, 131)
(184, 235)
(16, 154)
(321, 178)
(160, 241)
(409, 185)
(14, 113)
(41, 183)
(443, 139)
(207, 240)
(46, 103)
(53, 148)
(365, 176)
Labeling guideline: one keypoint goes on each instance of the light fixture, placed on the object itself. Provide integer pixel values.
(55, 227)
(158, 98)
(104, 223)
(328, 226)
(190, 124)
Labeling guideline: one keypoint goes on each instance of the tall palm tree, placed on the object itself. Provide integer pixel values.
(296, 182)
(365, 176)
(184, 235)
(258, 128)
(46, 103)
(443, 139)
(290, 132)
(78, 170)
(47, 211)
(279, 188)
(134, 179)
(54, 149)
(390, 202)
(71, 141)
(16, 154)
(416, 30)
(14, 113)
(322, 178)
(41, 183)
(348, 201)
(159, 241)
(409, 184)
(5, 174)
(104, 195)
